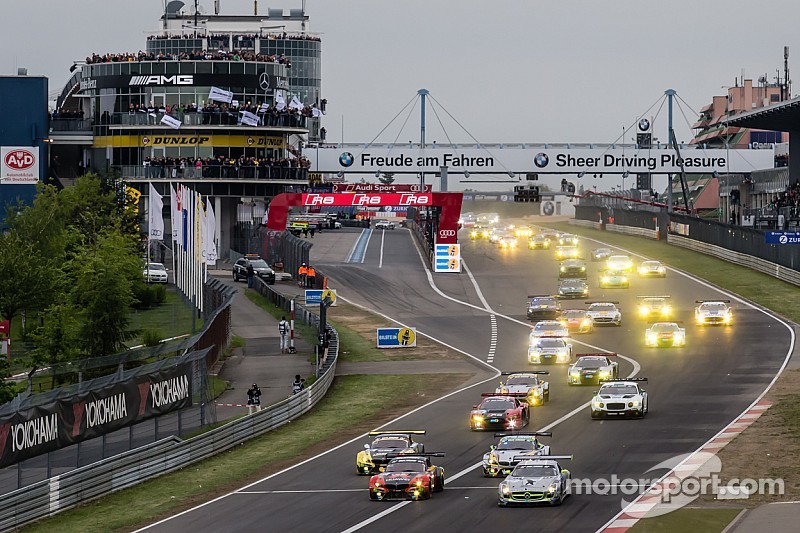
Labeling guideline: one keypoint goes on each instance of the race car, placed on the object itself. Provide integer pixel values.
(501, 459)
(572, 269)
(539, 242)
(591, 368)
(542, 307)
(652, 269)
(507, 240)
(619, 262)
(567, 252)
(499, 411)
(386, 443)
(549, 350)
(614, 279)
(479, 232)
(547, 328)
(524, 232)
(620, 397)
(713, 312)
(567, 239)
(573, 288)
(577, 320)
(408, 477)
(604, 313)
(536, 480)
(488, 218)
(654, 307)
(601, 254)
(536, 390)
(665, 335)
(467, 220)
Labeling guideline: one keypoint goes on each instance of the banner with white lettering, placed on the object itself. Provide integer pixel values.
(220, 95)
(41, 429)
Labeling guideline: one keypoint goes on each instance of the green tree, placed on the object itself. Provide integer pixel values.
(104, 274)
(57, 340)
(6, 387)
(26, 278)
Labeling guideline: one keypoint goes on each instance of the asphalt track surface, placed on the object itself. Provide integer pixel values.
(694, 392)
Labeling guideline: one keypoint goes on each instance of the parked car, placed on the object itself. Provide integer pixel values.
(154, 273)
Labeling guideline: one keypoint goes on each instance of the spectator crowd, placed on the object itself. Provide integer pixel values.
(203, 55)
(222, 167)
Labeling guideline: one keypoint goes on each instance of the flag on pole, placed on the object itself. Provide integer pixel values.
(220, 95)
(155, 220)
(211, 234)
(249, 118)
(315, 112)
(199, 215)
(296, 104)
(263, 108)
(175, 213)
(173, 123)
(280, 103)
(184, 197)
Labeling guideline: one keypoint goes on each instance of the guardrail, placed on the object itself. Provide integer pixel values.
(632, 230)
(84, 484)
(767, 267)
(585, 223)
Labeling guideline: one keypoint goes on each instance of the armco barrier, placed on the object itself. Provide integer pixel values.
(772, 269)
(631, 230)
(79, 486)
(585, 223)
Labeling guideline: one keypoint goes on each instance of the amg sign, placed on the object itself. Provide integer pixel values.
(186, 79)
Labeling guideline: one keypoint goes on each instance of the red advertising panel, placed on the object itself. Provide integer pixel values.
(380, 187)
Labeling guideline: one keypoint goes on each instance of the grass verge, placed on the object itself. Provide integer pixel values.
(172, 318)
(354, 404)
(301, 330)
(688, 521)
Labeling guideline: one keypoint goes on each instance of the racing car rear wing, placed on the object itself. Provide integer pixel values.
(598, 354)
(398, 432)
(540, 296)
(610, 380)
(654, 296)
(525, 433)
(602, 302)
(711, 301)
(543, 457)
(540, 372)
(507, 394)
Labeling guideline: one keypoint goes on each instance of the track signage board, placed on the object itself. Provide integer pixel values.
(782, 237)
(315, 296)
(447, 258)
(397, 337)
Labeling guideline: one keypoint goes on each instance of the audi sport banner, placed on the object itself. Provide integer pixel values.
(48, 427)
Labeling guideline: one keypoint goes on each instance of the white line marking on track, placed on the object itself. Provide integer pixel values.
(314, 491)
(383, 236)
(366, 246)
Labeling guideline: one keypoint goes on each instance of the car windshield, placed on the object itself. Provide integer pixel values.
(591, 363)
(653, 302)
(619, 388)
(521, 380)
(516, 444)
(259, 263)
(618, 259)
(405, 466)
(572, 285)
(602, 251)
(651, 264)
(713, 307)
(155, 266)
(539, 328)
(497, 404)
(551, 343)
(602, 307)
(543, 301)
(573, 314)
(614, 273)
(665, 327)
(390, 443)
(535, 471)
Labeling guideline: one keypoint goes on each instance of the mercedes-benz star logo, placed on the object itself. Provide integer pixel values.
(263, 81)
(541, 160)
(346, 159)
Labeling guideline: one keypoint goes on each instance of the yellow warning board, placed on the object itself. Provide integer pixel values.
(329, 293)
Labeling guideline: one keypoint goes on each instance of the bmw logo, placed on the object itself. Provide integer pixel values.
(541, 160)
(644, 125)
(346, 159)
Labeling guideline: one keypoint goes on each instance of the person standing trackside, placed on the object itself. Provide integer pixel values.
(253, 399)
(250, 274)
(283, 329)
(311, 277)
(302, 272)
(298, 384)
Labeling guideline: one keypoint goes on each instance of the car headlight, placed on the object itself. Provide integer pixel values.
(583, 269)
(598, 403)
(536, 358)
(575, 374)
(624, 279)
(604, 373)
(563, 269)
(586, 322)
(605, 279)
(651, 337)
(552, 489)
(505, 489)
(477, 418)
(644, 310)
(666, 310)
(633, 404)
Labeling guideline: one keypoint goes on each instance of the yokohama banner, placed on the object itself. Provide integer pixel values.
(90, 414)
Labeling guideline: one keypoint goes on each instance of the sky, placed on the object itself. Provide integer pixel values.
(509, 71)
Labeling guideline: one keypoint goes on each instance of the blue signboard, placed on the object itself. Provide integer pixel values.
(447, 258)
(315, 296)
(397, 337)
(783, 237)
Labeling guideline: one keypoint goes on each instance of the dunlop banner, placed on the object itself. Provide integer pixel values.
(67, 421)
(216, 141)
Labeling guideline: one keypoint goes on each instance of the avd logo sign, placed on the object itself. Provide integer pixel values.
(19, 165)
